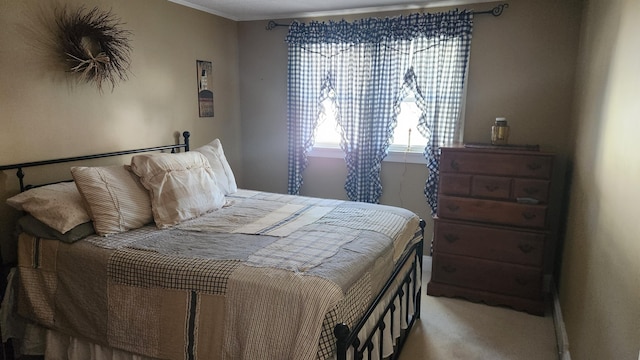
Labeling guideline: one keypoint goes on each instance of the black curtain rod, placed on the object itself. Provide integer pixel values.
(496, 11)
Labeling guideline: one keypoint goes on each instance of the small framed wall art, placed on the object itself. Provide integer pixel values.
(205, 94)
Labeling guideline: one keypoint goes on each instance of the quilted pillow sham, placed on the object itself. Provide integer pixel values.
(224, 175)
(115, 198)
(59, 206)
(182, 186)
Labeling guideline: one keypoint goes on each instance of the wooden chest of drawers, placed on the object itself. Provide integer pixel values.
(491, 231)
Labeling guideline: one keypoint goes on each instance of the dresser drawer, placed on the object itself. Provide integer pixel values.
(491, 243)
(493, 163)
(455, 184)
(485, 275)
(491, 187)
(495, 212)
(536, 189)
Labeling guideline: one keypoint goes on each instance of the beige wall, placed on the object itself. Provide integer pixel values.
(44, 114)
(522, 66)
(600, 283)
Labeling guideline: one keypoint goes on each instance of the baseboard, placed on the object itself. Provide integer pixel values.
(561, 331)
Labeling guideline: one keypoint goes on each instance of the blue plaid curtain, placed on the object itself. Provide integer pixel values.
(369, 66)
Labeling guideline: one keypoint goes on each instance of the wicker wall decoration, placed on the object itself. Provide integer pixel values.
(94, 45)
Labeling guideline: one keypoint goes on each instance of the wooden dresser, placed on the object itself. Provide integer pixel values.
(491, 231)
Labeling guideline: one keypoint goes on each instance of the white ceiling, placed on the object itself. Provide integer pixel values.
(246, 10)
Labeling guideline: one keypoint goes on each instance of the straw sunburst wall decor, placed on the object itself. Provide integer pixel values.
(94, 45)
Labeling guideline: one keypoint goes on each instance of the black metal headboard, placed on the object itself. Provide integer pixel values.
(20, 172)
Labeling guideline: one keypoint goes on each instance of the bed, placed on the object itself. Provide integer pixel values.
(172, 261)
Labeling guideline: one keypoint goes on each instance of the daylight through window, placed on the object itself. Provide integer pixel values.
(406, 136)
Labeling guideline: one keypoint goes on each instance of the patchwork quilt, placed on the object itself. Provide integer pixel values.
(266, 276)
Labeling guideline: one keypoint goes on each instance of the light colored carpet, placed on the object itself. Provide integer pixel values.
(451, 329)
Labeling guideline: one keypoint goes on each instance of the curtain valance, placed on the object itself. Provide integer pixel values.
(376, 30)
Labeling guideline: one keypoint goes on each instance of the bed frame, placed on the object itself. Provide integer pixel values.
(20, 172)
(347, 340)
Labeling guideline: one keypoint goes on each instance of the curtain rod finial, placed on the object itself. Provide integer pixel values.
(272, 25)
(497, 11)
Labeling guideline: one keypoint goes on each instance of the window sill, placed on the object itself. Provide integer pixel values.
(410, 157)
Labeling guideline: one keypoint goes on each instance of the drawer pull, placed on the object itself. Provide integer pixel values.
(492, 188)
(531, 190)
(449, 268)
(454, 165)
(453, 207)
(451, 238)
(534, 166)
(521, 281)
(528, 215)
(526, 248)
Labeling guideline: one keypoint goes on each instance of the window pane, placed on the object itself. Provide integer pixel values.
(406, 135)
(327, 131)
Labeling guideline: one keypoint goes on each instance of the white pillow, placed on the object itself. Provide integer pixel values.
(116, 199)
(59, 205)
(224, 176)
(182, 186)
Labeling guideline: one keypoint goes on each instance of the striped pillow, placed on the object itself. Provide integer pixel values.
(116, 199)
(182, 186)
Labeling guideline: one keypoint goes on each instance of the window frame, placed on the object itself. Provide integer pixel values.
(335, 152)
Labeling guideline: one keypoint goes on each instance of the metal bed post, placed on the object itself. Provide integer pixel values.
(347, 339)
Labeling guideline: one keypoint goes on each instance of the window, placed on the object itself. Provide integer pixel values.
(407, 142)
(361, 68)
(406, 136)
(327, 133)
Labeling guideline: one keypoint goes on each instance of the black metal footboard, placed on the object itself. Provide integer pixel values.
(348, 340)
